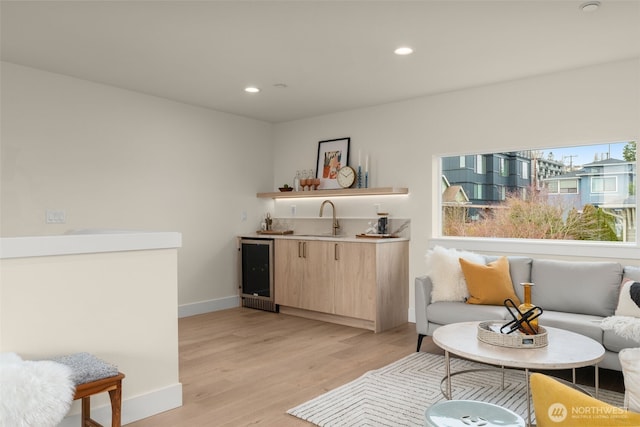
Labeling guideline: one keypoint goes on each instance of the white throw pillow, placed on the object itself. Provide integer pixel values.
(446, 274)
(629, 300)
(630, 361)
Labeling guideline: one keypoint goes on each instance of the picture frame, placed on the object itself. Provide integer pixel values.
(332, 155)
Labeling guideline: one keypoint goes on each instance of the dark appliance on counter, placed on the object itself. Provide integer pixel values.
(256, 274)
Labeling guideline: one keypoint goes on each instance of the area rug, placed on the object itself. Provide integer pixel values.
(398, 394)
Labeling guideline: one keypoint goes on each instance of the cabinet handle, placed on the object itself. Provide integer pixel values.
(335, 252)
(304, 249)
(299, 249)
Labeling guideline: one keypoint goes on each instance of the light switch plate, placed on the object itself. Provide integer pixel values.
(54, 216)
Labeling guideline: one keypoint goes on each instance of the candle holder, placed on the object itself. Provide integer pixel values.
(359, 177)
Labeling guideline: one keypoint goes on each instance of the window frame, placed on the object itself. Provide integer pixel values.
(560, 248)
(603, 178)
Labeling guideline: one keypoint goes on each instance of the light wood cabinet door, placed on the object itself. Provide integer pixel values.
(319, 276)
(288, 272)
(304, 274)
(355, 290)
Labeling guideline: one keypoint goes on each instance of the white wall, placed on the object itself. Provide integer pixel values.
(119, 306)
(112, 158)
(589, 105)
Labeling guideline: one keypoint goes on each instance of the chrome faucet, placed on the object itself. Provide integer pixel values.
(335, 225)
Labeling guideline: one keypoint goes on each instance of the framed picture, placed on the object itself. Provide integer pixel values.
(332, 155)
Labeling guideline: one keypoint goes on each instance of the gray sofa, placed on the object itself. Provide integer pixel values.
(574, 295)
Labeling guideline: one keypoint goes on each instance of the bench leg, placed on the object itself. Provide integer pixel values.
(116, 403)
(86, 411)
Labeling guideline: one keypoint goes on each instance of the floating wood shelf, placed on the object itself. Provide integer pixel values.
(382, 191)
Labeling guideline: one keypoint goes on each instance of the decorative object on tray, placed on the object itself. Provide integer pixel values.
(383, 221)
(285, 188)
(525, 321)
(267, 224)
(490, 332)
(531, 325)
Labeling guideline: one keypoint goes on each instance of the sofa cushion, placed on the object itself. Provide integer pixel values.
(632, 273)
(488, 284)
(519, 270)
(613, 341)
(583, 324)
(446, 275)
(576, 287)
(446, 312)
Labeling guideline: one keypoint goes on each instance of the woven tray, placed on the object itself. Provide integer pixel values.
(514, 340)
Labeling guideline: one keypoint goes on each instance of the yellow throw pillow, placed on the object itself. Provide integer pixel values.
(558, 405)
(488, 284)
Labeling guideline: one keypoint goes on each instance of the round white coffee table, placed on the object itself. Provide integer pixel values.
(565, 350)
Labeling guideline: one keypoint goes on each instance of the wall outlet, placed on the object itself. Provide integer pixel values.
(293, 210)
(53, 216)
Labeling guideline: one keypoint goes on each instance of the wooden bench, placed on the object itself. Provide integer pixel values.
(92, 376)
(111, 384)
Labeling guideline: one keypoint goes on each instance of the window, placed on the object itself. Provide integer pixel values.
(478, 192)
(463, 162)
(562, 186)
(606, 184)
(504, 167)
(502, 192)
(583, 193)
(480, 164)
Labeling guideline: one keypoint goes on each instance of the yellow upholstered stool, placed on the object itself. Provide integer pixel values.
(558, 405)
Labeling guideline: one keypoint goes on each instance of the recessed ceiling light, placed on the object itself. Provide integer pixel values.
(590, 6)
(251, 89)
(404, 50)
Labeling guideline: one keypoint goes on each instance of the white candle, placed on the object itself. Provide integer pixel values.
(366, 163)
(359, 153)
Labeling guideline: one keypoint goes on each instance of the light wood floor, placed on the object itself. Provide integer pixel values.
(246, 367)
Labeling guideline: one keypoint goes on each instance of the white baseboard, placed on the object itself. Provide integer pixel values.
(135, 408)
(209, 306)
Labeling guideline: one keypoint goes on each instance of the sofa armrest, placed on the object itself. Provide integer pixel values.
(423, 287)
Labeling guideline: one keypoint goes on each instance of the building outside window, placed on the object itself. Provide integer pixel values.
(567, 193)
(604, 184)
(480, 164)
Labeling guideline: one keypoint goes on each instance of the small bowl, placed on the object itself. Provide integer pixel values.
(283, 189)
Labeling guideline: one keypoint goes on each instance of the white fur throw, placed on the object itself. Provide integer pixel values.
(625, 326)
(34, 393)
(443, 267)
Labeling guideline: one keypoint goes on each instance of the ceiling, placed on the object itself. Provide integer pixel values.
(331, 55)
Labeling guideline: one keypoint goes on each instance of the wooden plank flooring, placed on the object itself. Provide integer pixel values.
(246, 367)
